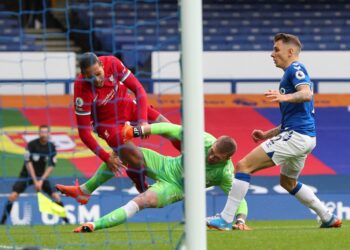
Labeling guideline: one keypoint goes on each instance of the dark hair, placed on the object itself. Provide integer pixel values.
(87, 60)
(288, 38)
(44, 126)
(226, 145)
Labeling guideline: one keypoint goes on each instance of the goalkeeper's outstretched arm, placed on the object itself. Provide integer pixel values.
(169, 130)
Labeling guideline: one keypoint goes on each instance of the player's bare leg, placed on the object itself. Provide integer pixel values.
(8, 207)
(133, 158)
(129, 154)
(308, 198)
(145, 200)
(254, 161)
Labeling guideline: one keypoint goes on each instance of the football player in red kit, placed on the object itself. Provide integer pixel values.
(102, 102)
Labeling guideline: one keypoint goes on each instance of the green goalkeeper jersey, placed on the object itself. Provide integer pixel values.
(170, 169)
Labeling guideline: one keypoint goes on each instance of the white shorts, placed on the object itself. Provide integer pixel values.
(289, 149)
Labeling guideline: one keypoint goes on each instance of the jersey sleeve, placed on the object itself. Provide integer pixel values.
(227, 178)
(120, 72)
(82, 98)
(124, 75)
(208, 140)
(82, 103)
(52, 155)
(174, 131)
(169, 130)
(298, 75)
(28, 153)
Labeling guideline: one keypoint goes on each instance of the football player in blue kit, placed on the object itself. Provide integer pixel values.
(286, 145)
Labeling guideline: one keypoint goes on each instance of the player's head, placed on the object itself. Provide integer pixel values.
(91, 68)
(286, 49)
(221, 150)
(44, 133)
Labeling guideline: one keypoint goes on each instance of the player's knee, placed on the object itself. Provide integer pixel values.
(242, 166)
(152, 201)
(13, 196)
(146, 200)
(131, 156)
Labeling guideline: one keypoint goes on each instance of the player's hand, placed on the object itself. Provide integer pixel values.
(129, 132)
(143, 135)
(38, 185)
(258, 135)
(274, 96)
(115, 164)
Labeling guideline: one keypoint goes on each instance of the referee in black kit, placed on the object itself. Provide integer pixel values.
(39, 153)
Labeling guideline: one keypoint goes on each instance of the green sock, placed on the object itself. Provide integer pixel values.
(243, 208)
(102, 175)
(112, 219)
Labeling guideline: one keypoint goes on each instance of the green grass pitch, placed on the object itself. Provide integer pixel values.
(265, 235)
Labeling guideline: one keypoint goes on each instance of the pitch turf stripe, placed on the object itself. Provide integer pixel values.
(26, 247)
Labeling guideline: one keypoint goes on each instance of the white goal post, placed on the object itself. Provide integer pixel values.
(193, 122)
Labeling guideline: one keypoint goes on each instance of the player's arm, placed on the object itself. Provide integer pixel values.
(83, 100)
(31, 171)
(259, 135)
(47, 173)
(300, 79)
(166, 129)
(29, 165)
(227, 178)
(303, 94)
(125, 76)
(85, 134)
(169, 130)
(51, 163)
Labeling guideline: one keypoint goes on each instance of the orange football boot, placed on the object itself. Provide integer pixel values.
(333, 222)
(75, 192)
(85, 228)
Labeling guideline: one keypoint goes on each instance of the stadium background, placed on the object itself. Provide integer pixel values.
(40, 42)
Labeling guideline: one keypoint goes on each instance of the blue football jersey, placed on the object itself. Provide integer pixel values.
(299, 117)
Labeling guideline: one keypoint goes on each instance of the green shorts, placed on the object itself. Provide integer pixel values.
(167, 193)
(167, 172)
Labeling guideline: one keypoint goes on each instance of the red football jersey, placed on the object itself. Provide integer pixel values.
(107, 106)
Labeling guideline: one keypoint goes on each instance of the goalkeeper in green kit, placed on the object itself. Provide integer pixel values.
(168, 174)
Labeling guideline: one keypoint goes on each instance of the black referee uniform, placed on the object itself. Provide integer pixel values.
(40, 155)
